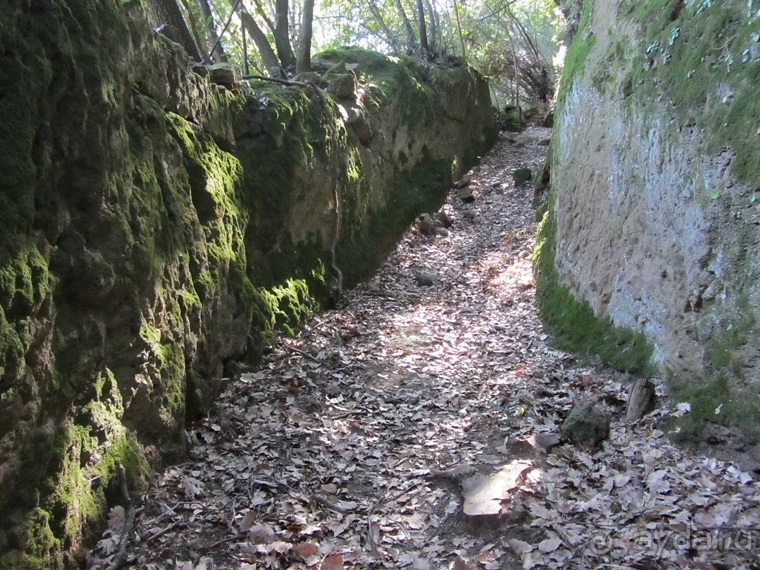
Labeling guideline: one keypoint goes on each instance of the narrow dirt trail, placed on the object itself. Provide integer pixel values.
(353, 443)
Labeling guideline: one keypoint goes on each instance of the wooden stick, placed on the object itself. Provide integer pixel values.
(163, 531)
(121, 554)
(302, 353)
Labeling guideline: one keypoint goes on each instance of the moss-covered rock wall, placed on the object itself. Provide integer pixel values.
(653, 219)
(154, 226)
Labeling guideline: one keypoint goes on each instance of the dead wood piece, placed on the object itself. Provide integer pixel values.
(302, 353)
(121, 553)
(163, 531)
(332, 505)
(640, 400)
(455, 474)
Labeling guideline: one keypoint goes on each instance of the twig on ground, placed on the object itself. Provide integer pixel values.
(325, 502)
(380, 501)
(222, 541)
(163, 531)
(302, 353)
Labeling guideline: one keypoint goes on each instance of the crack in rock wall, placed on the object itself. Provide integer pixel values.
(155, 227)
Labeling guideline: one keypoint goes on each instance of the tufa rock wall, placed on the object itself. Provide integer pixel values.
(653, 228)
(154, 226)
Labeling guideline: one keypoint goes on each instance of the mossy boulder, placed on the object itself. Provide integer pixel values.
(587, 424)
(512, 119)
(156, 226)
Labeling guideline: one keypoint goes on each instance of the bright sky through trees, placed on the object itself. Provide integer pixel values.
(513, 42)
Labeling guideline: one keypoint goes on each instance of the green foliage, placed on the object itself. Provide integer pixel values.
(496, 33)
(716, 402)
(378, 25)
(723, 350)
(511, 43)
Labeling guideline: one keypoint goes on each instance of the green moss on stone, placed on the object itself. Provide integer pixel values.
(71, 475)
(25, 280)
(166, 225)
(578, 52)
(33, 544)
(423, 188)
(393, 80)
(574, 323)
(698, 58)
(293, 304)
(723, 350)
(714, 402)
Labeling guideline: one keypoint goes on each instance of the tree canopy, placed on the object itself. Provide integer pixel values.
(512, 42)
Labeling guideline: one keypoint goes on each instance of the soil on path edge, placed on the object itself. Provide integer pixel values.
(405, 430)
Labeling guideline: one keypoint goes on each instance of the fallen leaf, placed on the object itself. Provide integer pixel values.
(332, 561)
(549, 545)
(247, 521)
(306, 549)
(519, 546)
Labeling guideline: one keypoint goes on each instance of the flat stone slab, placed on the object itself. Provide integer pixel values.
(484, 495)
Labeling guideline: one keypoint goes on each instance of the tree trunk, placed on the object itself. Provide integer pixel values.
(304, 47)
(166, 13)
(515, 84)
(411, 41)
(271, 63)
(246, 66)
(422, 27)
(193, 26)
(261, 12)
(217, 52)
(524, 33)
(282, 35)
(391, 38)
(459, 29)
(434, 20)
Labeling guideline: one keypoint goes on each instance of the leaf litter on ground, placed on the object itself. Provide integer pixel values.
(401, 431)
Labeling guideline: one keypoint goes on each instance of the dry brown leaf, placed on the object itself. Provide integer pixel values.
(333, 561)
(306, 549)
(248, 521)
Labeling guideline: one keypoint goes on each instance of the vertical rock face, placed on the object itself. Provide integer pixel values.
(154, 225)
(654, 214)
